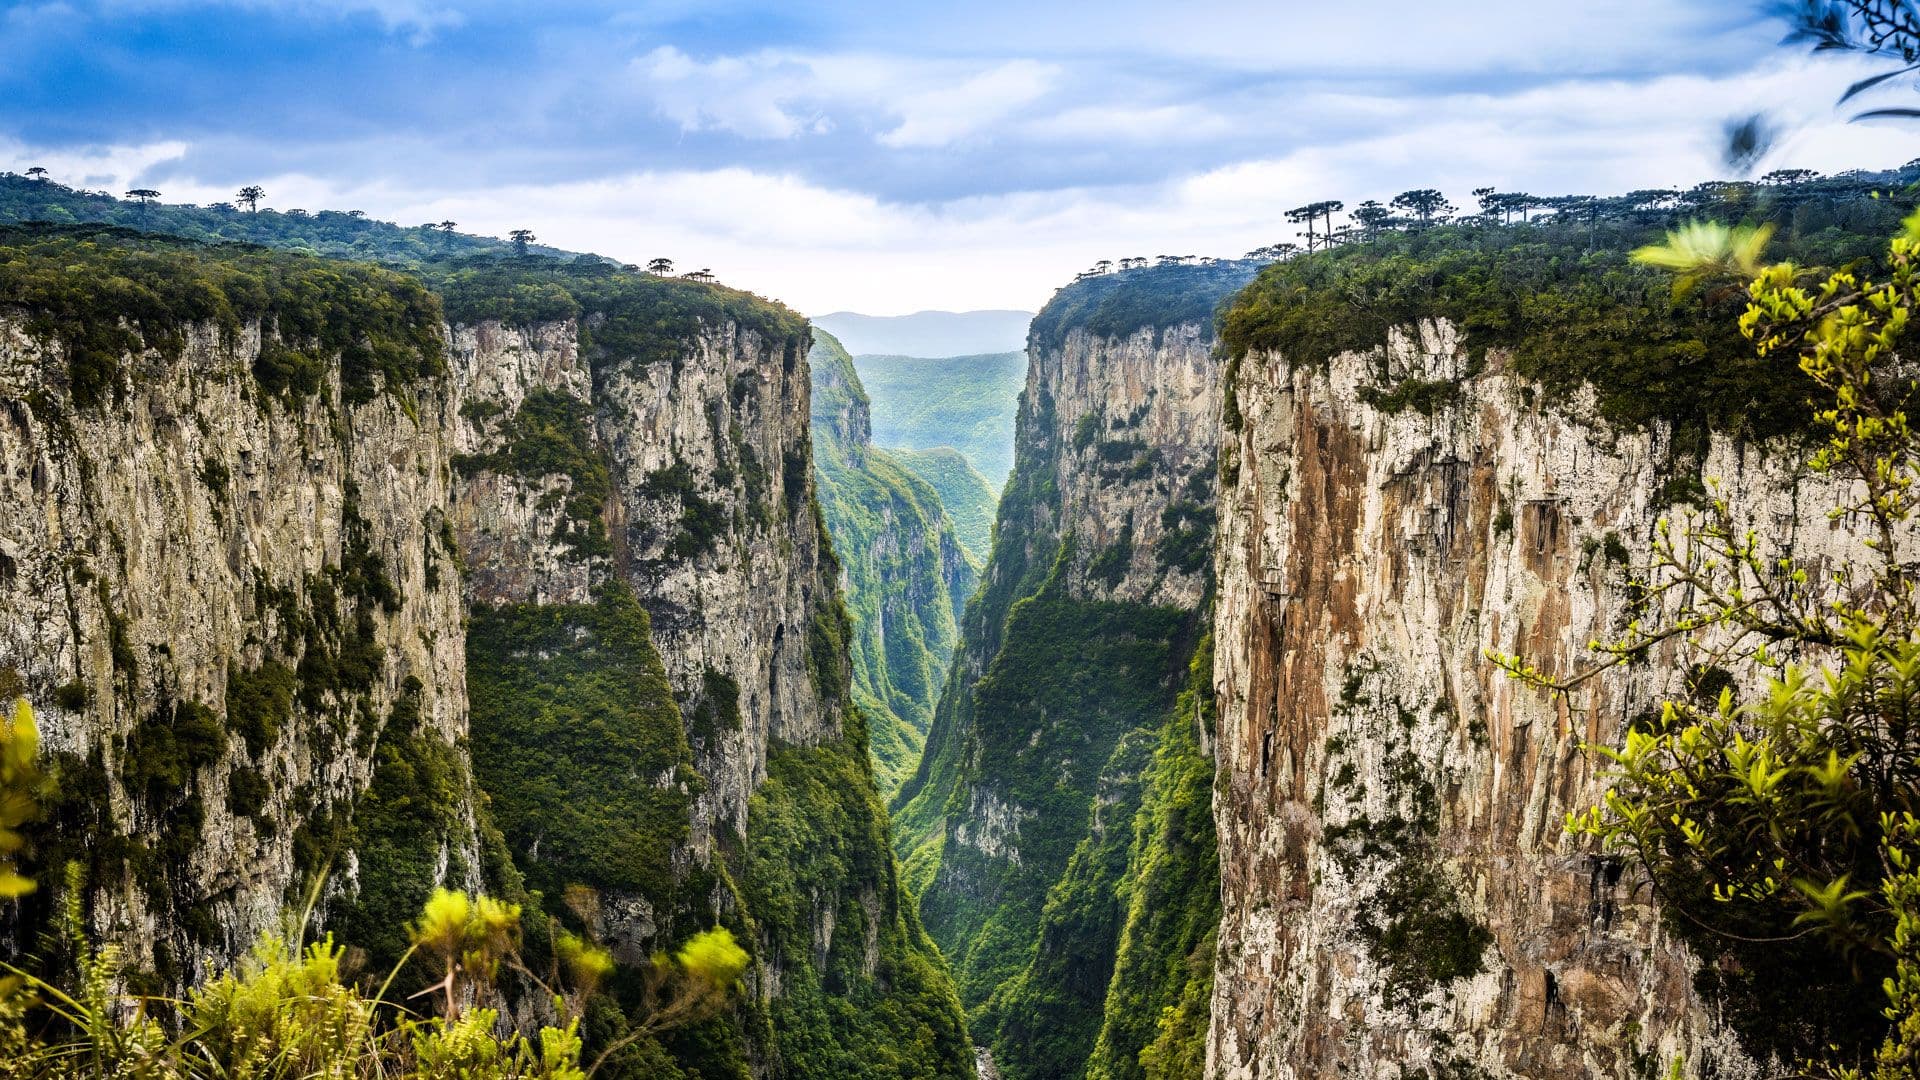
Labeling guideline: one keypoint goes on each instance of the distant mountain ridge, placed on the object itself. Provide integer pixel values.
(929, 333)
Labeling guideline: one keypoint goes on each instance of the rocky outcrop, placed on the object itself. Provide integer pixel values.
(1398, 884)
(233, 610)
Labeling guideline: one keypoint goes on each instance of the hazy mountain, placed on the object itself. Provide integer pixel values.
(929, 333)
(966, 402)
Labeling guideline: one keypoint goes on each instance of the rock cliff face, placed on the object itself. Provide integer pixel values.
(233, 550)
(1398, 887)
(658, 634)
(238, 615)
(1025, 818)
(904, 574)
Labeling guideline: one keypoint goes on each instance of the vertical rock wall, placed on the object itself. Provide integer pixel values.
(1398, 886)
(219, 601)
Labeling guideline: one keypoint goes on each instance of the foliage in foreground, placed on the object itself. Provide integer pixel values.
(1782, 834)
(292, 1008)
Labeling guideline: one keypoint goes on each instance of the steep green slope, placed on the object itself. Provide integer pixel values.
(968, 498)
(904, 567)
(966, 402)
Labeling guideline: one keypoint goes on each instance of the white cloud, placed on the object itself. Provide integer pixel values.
(783, 95)
(759, 97)
(943, 114)
(105, 168)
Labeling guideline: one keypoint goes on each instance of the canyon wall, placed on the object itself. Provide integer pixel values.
(1398, 885)
(232, 597)
(662, 701)
(308, 582)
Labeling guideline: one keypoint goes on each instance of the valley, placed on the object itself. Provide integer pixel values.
(1214, 685)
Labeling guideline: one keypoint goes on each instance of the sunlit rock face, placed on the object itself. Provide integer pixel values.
(220, 601)
(1397, 882)
(707, 517)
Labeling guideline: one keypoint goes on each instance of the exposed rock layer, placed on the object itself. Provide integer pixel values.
(1370, 755)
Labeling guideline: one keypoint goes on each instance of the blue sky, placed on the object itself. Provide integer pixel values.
(892, 157)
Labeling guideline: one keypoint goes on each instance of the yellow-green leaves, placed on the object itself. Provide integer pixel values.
(19, 788)
(713, 957)
(1705, 250)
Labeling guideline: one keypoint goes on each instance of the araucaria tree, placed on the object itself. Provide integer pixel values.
(1424, 204)
(1791, 819)
(251, 196)
(143, 195)
(521, 238)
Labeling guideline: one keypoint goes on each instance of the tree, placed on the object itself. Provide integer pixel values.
(521, 238)
(663, 267)
(37, 172)
(1313, 212)
(1103, 266)
(1787, 177)
(144, 195)
(1425, 204)
(1372, 217)
(251, 196)
(448, 227)
(1790, 821)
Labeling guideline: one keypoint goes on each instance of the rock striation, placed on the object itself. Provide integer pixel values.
(1397, 884)
(238, 615)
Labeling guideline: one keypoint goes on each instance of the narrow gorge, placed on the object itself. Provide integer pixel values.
(1248, 733)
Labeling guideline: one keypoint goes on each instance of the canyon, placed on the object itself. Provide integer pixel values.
(589, 589)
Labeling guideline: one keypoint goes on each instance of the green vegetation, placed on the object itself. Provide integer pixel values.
(1091, 953)
(1569, 305)
(332, 233)
(817, 843)
(965, 494)
(1150, 298)
(626, 318)
(1154, 1019)
(551, 434)
(107, 294)
(578, 743)
(963, 402)
(1070, 679)
(291, 1009)
(902, 564)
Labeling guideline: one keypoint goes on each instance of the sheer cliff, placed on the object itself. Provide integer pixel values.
(904, 573)
(1476, 460)
(1397, 881)
(231, 590)
(511, 580)
(663, 707)
(1062, 713)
